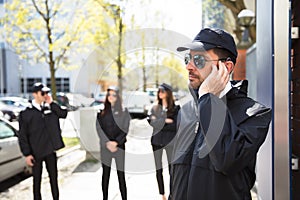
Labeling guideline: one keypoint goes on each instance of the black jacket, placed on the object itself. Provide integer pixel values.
(163, 133)
(40, 132)
(216, 146)
(113, 126)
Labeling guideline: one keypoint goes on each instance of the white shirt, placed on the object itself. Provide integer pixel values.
(36, 105)
(39, 106)
(226, 89)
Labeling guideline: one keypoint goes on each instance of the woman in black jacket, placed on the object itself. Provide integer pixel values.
(112, 127)
(163, 117)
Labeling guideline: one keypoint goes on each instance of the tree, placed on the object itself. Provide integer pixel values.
(213, 13)
(177, 74)
(236, 7)
(116, 11)
(45, 31)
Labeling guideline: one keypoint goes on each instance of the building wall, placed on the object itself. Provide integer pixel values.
(12, 73)
(251, 71)
(13, 70)
(295, 100)
(264, 67)
(239, 71)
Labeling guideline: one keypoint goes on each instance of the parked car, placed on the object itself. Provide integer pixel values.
(12, 161)
(10, 113)
(101, 97)
(152, 92)
(98, 105)
(18, 102)
(63, 100)
(99, 101)
(137, 103)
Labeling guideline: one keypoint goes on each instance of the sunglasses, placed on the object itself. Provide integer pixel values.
(114, 95)
(43, 93)
(162, 90)
(199, 60)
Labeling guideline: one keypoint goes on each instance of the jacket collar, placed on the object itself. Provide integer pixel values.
(239, 88)
(36, 105)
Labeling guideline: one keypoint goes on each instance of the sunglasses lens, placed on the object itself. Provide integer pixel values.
(114, 95)
(187, 58)
(199, 61)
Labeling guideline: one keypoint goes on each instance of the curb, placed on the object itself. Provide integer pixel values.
(66, 151)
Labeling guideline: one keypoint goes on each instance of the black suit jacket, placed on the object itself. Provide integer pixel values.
(40, 133)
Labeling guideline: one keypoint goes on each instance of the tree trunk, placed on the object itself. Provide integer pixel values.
(119, 61)
(53, 81)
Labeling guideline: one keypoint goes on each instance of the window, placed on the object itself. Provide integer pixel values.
(62, 84)
(5, 130)
(26, 86)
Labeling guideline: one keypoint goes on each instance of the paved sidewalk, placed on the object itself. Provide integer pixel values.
(82, 180)
(85, 183)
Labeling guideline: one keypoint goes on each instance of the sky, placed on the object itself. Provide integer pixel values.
(177, 15)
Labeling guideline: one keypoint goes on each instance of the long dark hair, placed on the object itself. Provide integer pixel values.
(107, 104)
(170, 100)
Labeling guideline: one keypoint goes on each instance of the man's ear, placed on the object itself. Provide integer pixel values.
(34, 94)
(229, 65)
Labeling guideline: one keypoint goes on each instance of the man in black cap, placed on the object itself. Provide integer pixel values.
(220, 129)
(40, 137)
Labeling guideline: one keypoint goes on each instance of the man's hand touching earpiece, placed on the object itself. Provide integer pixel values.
(216, 81)
(48, 99)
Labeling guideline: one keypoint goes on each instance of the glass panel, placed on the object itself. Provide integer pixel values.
(5, 131)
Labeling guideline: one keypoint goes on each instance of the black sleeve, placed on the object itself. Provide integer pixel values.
(156, 120)
(23, 135)
(102, 136)
(229, 145)
(124, 126)
(173, 116)
(59, 111)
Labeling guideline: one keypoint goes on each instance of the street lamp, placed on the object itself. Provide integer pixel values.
(246, 18)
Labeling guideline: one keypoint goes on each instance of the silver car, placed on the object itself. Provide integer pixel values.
(137, 103)
(12, 161)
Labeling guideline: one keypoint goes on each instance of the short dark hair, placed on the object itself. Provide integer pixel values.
(224, 53)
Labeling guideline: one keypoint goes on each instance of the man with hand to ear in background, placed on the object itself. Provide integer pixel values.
(220, 129)
(40, 137)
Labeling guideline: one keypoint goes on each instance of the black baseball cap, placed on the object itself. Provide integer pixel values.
(165, 87)
(40, 87)
(209, 38)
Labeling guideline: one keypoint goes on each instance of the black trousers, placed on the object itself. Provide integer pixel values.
(106, 159)
(158, 151)
(37, 169)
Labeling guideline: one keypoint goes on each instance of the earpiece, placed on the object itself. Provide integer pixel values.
(228, 59)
